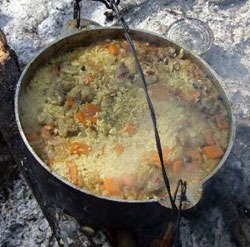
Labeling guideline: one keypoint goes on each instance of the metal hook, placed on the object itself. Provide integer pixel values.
(77, 13)
(109, 3)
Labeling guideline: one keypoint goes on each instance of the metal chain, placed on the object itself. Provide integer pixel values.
(176, 211)
(77, 13)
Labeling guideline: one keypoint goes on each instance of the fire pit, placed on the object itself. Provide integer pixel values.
(223, 217)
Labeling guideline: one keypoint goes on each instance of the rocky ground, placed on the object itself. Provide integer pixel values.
(224, 218)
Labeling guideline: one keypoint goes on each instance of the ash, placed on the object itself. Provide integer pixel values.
(223, 217)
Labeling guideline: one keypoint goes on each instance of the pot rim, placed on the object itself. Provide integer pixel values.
(82, 190)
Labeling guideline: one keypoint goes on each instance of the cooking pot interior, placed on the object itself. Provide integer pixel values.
(85, 38)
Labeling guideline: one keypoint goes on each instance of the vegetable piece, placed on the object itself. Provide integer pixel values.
(221, 122)
(130, 129)
(80, 116)
(87, 115)
(209, 138)
(80, 148)
(73, 173)
(194, 94)
(112, 186)
(32, 136)
(46, 131)
(50, 162)
(176, 167)
(119, 149)
(195, 155)
(165, 151)
(112, 48)
(213, 152)
(90, 110)
(69, 102)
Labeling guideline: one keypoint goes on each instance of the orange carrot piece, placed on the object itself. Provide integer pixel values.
(73, 172)
(50, 162)
(112, 186)
(194, 94)
(91, 120)
(69, 102)
(176, 167)
(221, 122)
(165, 151)
(32, 136)
(130, 129)
(213, 152)
(82, 118)
(119, 149)
(80, 148)
(90, 110)
(195, 155)
(112, 48)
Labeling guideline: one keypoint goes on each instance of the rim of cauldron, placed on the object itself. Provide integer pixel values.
(232, 129)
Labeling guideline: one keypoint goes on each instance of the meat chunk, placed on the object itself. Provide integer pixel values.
(44, 118)
(55, 94)
(67, 127)
(123, 76)
(208, 105)
(187, 140)
(82, 93)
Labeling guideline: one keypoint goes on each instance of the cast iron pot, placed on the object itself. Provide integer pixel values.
(86, 207)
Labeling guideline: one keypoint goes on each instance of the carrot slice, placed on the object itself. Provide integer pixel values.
(50, 162)
(130, 129)
(221, 122)
(87, 115)
(213, 152)
(119, 149)
(112, 186)
(195, 155)
(73, 172)
(80, 148)
(165, 151)
(112, 48)
(69, 102)
(194, 94)
(80, 116)
(90, 110)
(176, 167)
